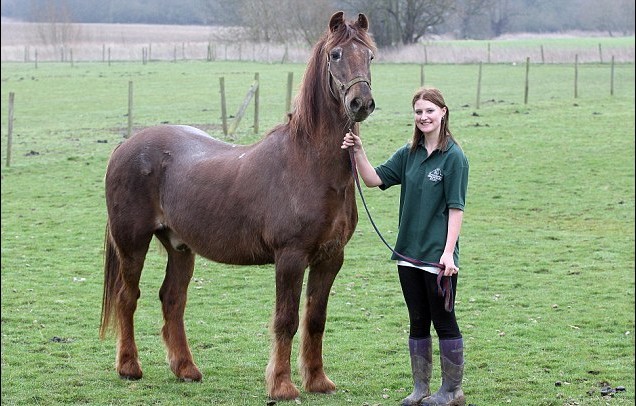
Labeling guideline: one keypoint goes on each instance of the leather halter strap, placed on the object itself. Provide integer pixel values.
(344, 87)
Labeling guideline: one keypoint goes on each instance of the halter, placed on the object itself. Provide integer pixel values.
(344, 87)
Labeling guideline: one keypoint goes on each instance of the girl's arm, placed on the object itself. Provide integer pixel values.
(365, 169)
(455, 217)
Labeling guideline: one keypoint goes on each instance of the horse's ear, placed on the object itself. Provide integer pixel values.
(336, 21)
(363, 22)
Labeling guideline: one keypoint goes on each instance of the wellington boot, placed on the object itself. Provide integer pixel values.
(452, 362)
(421, 365)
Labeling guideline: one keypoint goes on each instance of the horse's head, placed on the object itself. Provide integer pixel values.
(349, 51)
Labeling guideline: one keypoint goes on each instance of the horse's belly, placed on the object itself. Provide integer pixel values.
(228, 247)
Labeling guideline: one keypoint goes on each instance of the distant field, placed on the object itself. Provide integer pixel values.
(126, 42)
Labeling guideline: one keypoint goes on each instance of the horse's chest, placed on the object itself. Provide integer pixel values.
(339, 223)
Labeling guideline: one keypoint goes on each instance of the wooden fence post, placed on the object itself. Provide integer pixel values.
(10, 128)
(576, 76)
(130, 108)
(256, 102)
(241, 111)
(478, 86)
(223, 109)
(612, 77)
(290, 81)
(525, 95)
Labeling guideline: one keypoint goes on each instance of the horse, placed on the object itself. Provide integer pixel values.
(287, 200)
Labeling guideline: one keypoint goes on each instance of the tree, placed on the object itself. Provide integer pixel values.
(404, 21)
(468, 13)
(617, 16)
(301, 20)
(310, 21)
(501, 13)
(56, 20)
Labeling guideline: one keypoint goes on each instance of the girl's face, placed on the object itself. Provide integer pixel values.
(428, 116)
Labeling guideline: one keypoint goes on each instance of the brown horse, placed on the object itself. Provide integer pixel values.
(288, 199)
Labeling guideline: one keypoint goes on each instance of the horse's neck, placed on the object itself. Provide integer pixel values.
(330, 159)
(318, 132)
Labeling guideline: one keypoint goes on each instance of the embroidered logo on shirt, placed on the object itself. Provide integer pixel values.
(435, 175)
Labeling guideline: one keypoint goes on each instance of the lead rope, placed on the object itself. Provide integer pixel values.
(444, 284)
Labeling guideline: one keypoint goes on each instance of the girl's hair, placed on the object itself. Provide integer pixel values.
(434, 96)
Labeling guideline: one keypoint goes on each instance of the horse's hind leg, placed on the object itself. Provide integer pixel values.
(131, 262)
(173, 295)
(320, 279)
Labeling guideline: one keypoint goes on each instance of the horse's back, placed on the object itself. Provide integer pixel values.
(174, 139)
(143, 160)
(137, 168)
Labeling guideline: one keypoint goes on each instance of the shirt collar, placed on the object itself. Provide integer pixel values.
(448, 146)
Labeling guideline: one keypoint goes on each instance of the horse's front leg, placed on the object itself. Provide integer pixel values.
(173, 296)
(320, 280)
(290, 270)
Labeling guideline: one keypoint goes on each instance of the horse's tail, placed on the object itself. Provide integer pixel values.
(111, 277)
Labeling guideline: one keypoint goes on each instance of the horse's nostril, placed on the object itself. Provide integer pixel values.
(371, 106)
(355, 104)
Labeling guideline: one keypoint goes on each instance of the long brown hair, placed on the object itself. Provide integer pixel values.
(434, 96)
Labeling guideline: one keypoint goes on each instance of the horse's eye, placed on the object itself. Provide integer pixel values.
(336, 54)
(371, 56)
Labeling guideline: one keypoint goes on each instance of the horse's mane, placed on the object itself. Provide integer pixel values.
(310, 104)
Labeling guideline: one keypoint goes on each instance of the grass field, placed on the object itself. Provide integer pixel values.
(546, 294)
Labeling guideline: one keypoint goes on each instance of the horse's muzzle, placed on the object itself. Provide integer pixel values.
(360, 104)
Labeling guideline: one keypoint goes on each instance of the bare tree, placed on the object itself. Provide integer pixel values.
(310, 18)
(469, 11)
(286, 21)
(219, 12)
(260, 18)
(501, 13)
(417, 17)
(403, 21)
(56, 26)
(613, 17)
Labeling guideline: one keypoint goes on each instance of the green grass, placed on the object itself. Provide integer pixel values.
(546, 291)
(553, 42)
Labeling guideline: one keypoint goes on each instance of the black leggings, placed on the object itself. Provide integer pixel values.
(425, 306)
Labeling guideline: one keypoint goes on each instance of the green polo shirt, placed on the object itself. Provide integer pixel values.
(430, 185)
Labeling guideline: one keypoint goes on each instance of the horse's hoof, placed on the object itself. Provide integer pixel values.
(192, 378)
(130, 371)
(320, 384)
(186, 371)
(191, 375)
(129, 378)
(286, 391)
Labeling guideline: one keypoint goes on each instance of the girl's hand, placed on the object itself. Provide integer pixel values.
(448, 261)
(351, 140)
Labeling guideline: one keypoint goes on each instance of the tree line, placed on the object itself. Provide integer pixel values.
(394, 22)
